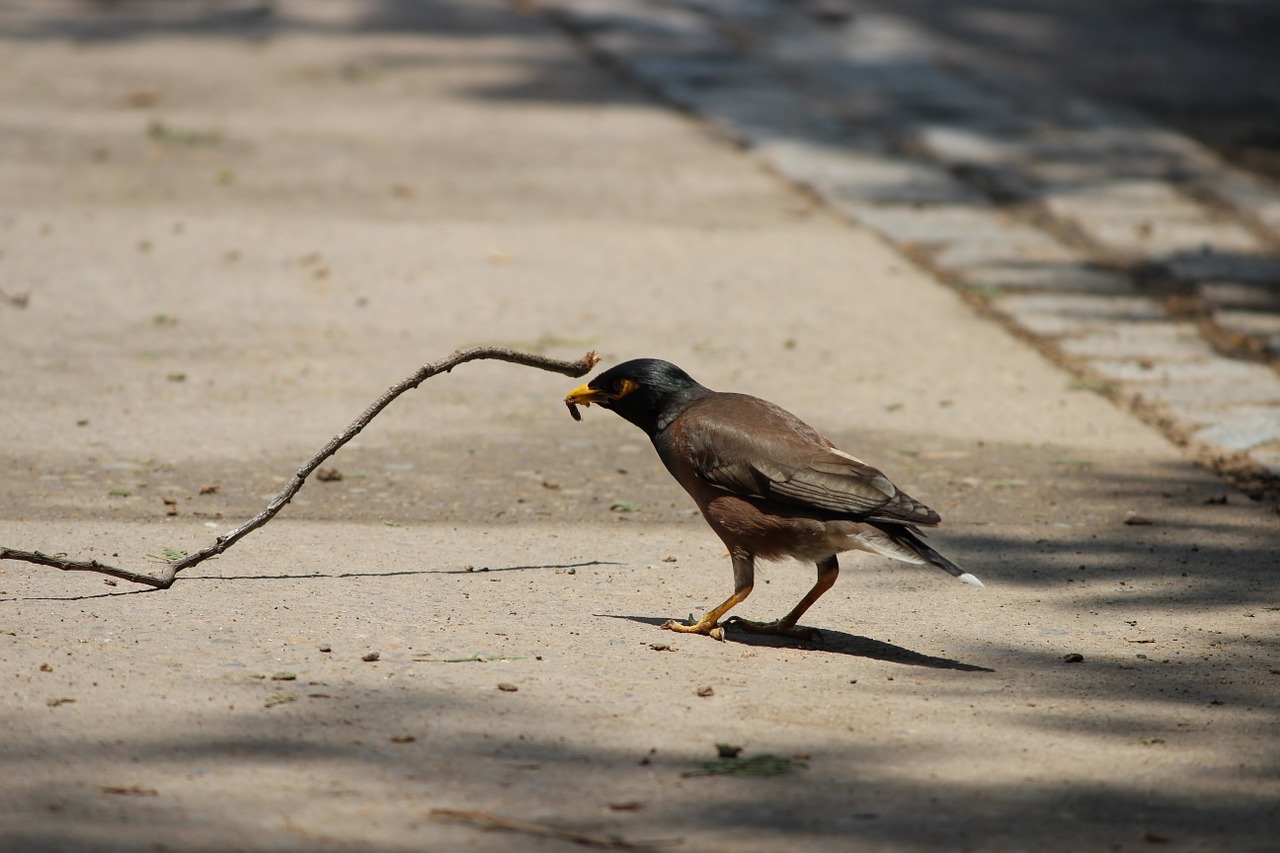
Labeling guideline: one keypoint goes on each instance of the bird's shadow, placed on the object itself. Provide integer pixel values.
(833, 642)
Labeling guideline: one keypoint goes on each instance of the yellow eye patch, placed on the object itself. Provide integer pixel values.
(626, 386)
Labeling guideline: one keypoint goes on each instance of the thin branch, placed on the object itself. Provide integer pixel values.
(59, 561)
(222, 543)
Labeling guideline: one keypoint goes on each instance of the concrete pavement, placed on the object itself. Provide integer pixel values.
(238, 224)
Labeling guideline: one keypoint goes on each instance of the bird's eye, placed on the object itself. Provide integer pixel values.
(623, 387)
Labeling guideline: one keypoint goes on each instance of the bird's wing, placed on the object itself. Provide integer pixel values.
(751, 447)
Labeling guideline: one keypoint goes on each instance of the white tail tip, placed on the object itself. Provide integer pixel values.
(970, 579)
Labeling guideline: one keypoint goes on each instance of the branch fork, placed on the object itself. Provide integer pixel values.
(222, 543)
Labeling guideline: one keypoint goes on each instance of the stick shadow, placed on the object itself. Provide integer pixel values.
(400, 572)
(312, 576)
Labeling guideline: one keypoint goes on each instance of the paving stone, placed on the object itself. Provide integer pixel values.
(1261, 323)
(1146, 217)
(1243, 428)
(1072, 276)
(1120, 196)
(966, 145)
(635, 16)
(742, 10)
(1240, 296)
(876, 53)
(1246, 268)
(696, 57)
(931, 93)
(1059, 314)
(933, 224)
(1216, 369)
(1060, 177)
(1255, 196)
(1108, 152)
(1157, 341)
(694, 65)
(1230, 383)
(752, 114)
(873, 37)
(853, 178)
(1163, 236)
(1007, 243)
(1267, 459)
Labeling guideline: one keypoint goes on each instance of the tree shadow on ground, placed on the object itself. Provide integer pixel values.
(1205, 67)
(116, 21)
(1129, 701)
(855, 795)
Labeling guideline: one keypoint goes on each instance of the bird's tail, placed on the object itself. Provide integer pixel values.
(912, 539)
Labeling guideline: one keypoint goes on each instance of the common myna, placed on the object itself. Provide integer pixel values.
(768, 484)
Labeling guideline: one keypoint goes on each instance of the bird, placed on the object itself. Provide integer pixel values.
(768, 484)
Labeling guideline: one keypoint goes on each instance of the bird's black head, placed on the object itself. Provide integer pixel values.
(648, 392)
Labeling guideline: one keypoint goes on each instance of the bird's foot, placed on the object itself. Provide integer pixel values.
(703, 626)
(777, 627)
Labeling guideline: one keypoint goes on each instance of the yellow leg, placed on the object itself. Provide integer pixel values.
(828, 571)
(743, 580)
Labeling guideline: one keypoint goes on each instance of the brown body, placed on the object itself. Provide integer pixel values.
(767, 483)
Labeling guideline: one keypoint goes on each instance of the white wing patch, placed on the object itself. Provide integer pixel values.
(848, 456)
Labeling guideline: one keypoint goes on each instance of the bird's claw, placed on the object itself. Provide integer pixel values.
(778, 628)
(712, 629)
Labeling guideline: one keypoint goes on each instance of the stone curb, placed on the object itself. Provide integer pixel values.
(1128, 252)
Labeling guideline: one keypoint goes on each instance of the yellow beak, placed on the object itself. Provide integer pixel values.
(584, 395)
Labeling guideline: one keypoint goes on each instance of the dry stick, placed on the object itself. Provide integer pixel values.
(222, 543)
